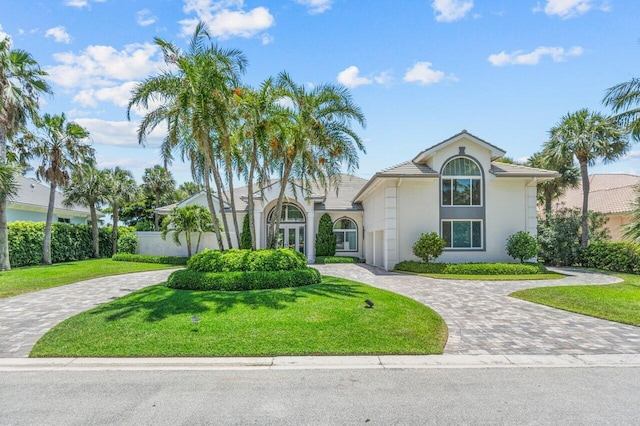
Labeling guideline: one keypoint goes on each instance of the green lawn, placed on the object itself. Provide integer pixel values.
(322, 319)
(33, 278)
(615, 302)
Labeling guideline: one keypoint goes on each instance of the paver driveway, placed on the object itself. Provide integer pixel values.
(26, 318)
(482, 319)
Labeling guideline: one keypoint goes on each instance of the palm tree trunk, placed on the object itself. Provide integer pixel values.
(155, 213)
(232, 201)
(585, 203)
(218, 182)
(252, 224)
(94, 231)
(5, 264)
(187, 237)
(275, 223)
(198, 242)
(547, 206)
(114, 230)
(46, 246)
(212, 209)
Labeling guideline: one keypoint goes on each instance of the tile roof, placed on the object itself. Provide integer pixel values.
(32, 193)
(517, 170)
(608, 193)
(408, 169)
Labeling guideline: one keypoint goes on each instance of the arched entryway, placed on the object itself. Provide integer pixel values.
(292, 232)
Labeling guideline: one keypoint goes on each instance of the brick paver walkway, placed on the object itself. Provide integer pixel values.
(25, 318)
(482, 319)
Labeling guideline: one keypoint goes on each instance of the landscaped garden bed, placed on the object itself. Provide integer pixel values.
(474, 271)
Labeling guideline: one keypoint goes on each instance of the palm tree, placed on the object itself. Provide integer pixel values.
(157, 181)
(554, 188)
(122, 190)
(21, 84)
(195, 104)
(317, 140)
(624, 99)
(631, 231)
(589, 137)
(189, 219)
(88, 187)
(60, 146)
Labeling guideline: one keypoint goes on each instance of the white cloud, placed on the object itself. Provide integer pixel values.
(144, 17)
(316, 6)
(422, 73)
(77, 3)
(350, 77)
(557, 54)
(226, 18)
(451, 10)
(118, 133)
(385, 78)
(632, 155)
(117, 95)
(266, 38)
(59, 34)
(566, 9)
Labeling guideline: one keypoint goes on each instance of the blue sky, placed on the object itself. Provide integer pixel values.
(504, 70)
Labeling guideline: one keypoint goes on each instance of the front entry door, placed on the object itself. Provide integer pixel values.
(291, 236)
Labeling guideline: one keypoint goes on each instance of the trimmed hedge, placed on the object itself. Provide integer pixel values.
(471, 268)
(68, 242)
(336, 259)
(149, 258)
(242, 280)
(615, 257)
(234, 260)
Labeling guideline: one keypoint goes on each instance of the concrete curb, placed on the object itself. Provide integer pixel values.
(319, 362)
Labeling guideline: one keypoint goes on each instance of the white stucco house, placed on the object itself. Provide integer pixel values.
(455, 188)
(32, 201)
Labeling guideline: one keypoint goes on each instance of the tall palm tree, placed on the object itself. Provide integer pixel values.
(554, 188)
(624, 99)
(60, 145)
(21, 84)
(195, 103)
(317, 141)
(187, 220)
(122, 190)
(588, 137)
(88, 187)
(157, 181)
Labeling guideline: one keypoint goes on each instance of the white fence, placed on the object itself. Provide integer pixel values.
(151, 243)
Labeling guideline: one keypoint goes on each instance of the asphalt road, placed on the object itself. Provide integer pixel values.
(580, 396)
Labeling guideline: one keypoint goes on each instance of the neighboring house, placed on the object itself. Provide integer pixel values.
(454, 188)
(610, 194)
(32, 202)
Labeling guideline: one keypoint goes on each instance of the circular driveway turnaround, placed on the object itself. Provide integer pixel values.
(26, 318)
(484, 320)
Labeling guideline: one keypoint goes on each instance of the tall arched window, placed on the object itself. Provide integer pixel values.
(290, 213)
(461, 183)
(346, 232)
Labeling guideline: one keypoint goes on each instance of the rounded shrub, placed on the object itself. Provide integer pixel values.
(234, 260)
(523, 246)
(127, 242)
(242, 280)
(429, 246)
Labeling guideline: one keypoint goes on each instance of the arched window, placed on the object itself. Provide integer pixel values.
(461, 183)
(290, 213)
(346, 232)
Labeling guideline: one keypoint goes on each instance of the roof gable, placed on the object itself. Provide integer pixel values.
(429, 152)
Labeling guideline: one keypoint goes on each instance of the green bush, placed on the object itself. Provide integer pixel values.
(242, 280)
(336, 259)
(615, 257)
(245, 237)
(523, 246)
(246, 260)
(325, 238)
(471, 268)
(127, 242)
(429, 246)
(149, 258)
(25, 243)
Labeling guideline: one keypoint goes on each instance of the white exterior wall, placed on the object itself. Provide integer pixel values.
(418, 213)
(150, 242)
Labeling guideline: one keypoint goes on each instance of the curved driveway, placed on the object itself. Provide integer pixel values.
(26, 318)
(482, 319)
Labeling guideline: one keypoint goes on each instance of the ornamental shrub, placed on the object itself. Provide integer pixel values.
(242, 280)
(150, 258)
(127, 242)
(336, 259)
(325, 238)
(429, 246)
(522, 245)
(471, 268)
(615, 257)
(234, 260)
(245, 238)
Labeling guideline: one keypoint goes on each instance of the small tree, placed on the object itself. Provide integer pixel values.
(245, 239)
(429, 246)
(325, 238)
(189, 219)
(522, 245)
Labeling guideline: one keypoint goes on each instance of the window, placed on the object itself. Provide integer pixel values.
(462, 233)
(346, 233)
(290, 213)
(461, 183)
(64, 220)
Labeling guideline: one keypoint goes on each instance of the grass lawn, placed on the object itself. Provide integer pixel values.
(549, 276)
(616, 302)
(322, 319)
(32, 278)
